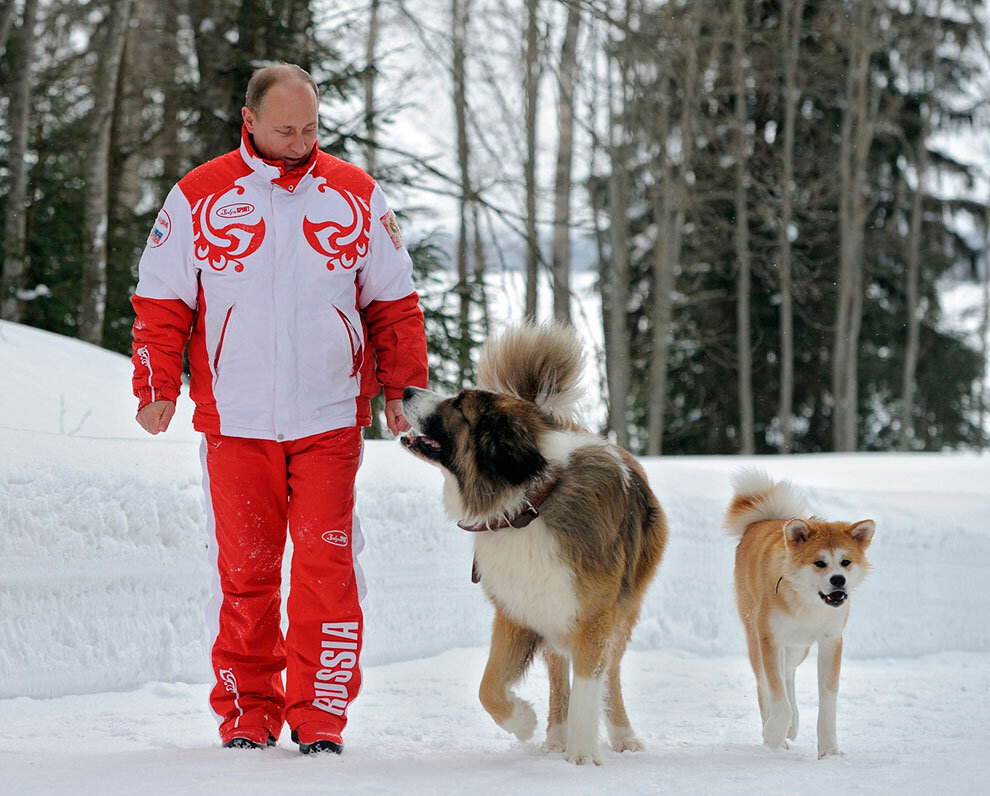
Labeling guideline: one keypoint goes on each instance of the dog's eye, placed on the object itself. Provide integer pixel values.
(820, 564)
(845, 562)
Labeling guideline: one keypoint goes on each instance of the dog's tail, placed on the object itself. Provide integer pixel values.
(541, 364)
(758, 497)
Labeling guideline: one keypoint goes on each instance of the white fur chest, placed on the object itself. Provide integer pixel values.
(523, 572)
(808, 624)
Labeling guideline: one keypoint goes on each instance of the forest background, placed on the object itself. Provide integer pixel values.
(773, 197)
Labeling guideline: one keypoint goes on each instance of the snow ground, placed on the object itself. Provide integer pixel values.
(912, 726)
(103, 584)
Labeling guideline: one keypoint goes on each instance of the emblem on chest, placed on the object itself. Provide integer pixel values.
(343, 237)
(225, 230)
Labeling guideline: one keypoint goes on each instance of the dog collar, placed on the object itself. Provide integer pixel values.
(529, 511)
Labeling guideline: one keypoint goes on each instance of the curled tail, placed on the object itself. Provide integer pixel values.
(758, 497)
(541, 364)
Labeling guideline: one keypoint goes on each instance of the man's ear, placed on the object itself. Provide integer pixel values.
(796, 531)
(248, 118)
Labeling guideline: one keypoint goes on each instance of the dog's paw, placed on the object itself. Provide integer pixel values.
(556, 738)
(792, 731)
(830, 750)
(775, 729)
(581, 756)
(775, 736)
(623, 739)
(522, 722)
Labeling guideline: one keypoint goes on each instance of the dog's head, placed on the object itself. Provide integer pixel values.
(827, 559)
(480, 437)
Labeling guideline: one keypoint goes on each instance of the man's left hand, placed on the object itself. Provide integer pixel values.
(394, 418)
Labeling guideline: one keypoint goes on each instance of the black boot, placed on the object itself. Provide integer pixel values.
(318, 746)
(247, 743)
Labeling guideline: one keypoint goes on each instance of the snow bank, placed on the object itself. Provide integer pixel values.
(103, 566)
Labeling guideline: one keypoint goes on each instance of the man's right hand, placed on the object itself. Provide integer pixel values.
(156, 416)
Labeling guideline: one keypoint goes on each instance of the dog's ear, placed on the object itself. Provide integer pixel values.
(796, 531)
(506, 449)
(862, 532)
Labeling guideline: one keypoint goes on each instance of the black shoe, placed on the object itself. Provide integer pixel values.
(247, 743)
(318, 746)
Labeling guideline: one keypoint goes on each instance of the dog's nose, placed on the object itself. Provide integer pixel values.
(408, 393)
(838, 581)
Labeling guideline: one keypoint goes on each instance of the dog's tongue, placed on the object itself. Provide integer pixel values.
(837, 596)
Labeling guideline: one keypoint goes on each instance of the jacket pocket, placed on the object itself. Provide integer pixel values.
(219, 349)
(355, 338)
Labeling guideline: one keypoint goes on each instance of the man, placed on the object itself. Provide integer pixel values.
(285, 271)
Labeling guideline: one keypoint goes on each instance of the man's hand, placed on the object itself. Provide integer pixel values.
(396, 421)
(156, 416)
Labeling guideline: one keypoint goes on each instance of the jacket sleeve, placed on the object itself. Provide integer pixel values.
(164, 303)
(390, 305)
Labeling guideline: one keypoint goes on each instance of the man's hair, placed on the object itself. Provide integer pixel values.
(266, 77)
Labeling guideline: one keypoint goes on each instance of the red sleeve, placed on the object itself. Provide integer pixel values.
(398, 339)
(161, 330)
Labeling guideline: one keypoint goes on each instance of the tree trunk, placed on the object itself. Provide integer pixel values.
(369, 87)
(170, 147)
(743, 344)
(562, 181)
(210, 22)
(532, 71)
(478, 293)
(911, 350)
(855, 139)
(129, 104)
(985, 342)
(790, 36)
(375, 430)
(15, 235)
(911, 292)
(6, 22)
(459, 15)
(95, 203)
(617, 289)
(670, 214)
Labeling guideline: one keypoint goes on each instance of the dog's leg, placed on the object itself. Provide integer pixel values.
(584, 712)
(829, 663)
(511, 651)
(778, 709)
(792, 658)
(620, 732)
(559, 671)
(753, 645)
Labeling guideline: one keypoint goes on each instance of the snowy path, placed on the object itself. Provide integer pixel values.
(916, 725)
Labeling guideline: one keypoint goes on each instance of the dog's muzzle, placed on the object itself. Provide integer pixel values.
(834, 599)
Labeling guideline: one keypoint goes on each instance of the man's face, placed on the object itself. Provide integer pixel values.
(286, 125)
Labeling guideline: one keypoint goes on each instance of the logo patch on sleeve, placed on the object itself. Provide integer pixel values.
(161, 229)
(392, 228)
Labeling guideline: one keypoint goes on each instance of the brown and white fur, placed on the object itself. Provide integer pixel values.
(794, 576)
(570, 584)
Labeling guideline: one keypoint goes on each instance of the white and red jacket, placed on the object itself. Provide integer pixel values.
(297, 291)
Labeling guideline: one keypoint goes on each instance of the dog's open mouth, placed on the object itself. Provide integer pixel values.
(424, 446)
(835, 598)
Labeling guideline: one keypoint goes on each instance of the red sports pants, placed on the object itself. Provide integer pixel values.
(255, 489)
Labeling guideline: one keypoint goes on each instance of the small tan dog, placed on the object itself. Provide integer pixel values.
(794, 575)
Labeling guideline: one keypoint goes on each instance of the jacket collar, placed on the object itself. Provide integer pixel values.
(274, 171)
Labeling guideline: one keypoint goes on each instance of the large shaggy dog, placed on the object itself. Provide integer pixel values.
(568, 533)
